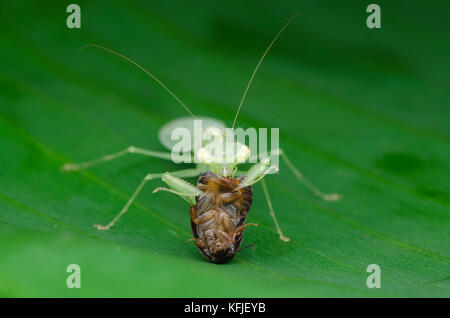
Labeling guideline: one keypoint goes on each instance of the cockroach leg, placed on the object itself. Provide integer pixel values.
(222, 235)
(225, 222)
(193, 216)
(241, 229)
(205, 217)
(200, 243)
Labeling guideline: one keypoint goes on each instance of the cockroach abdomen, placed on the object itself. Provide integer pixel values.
(218, 217)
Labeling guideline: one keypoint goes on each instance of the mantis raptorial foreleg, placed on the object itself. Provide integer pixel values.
(181, 187)
(182, 173)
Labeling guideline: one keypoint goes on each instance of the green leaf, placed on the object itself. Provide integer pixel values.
(362, 112)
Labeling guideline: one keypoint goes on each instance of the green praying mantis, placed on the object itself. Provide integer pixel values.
(206, 160)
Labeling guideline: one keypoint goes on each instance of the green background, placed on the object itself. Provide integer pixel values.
(362, 112)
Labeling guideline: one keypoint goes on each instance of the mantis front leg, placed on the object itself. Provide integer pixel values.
(182, 173)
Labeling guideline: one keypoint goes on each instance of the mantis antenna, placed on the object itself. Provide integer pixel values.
(143, 69)
(259, 64)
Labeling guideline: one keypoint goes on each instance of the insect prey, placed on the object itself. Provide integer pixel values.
(222, 198)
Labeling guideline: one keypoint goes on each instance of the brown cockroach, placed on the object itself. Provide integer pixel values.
(220, 203)
(218, 217)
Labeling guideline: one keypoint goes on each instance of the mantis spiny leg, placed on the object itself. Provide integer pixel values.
(182, 173)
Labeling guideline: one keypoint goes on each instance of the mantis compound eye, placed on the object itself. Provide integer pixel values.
(203, 156)
(243, 153)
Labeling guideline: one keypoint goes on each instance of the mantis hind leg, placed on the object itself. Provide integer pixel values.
(255, 174)
(272, 212)
(182, 173)
(307, 183)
